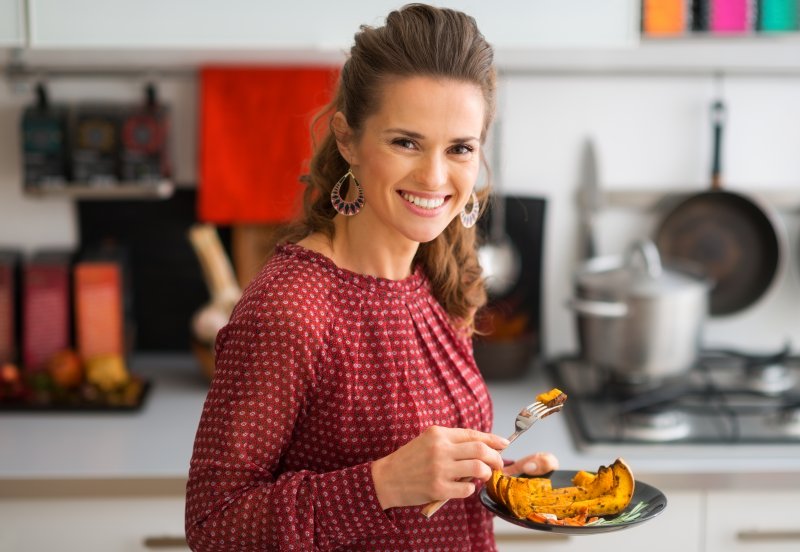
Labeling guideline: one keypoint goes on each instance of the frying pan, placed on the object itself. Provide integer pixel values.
(739, 242)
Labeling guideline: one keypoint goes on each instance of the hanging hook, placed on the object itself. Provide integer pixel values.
(151, 96)
(42, 98)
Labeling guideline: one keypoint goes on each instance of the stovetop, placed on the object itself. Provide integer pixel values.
(748, 404)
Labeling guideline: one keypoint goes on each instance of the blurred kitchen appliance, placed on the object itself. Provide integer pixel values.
(96, 136)
(739, 243)
(509, 338)
(45, 145)
(639, 319)
(144, 141)
(46, 304)
(9, 285)
(750, 403)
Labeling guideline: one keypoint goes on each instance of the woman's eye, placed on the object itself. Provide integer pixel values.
(404, 143)
(461, 149)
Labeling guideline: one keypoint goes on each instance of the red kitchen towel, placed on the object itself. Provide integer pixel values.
(255, 141)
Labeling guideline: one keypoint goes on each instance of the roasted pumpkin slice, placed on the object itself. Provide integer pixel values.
(522, 491)
(607, 492)
(583, 478)
(553, 397)
(491, 485)
(599, 499)
(502, 488)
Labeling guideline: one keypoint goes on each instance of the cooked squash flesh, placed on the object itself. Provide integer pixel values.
(607, 492)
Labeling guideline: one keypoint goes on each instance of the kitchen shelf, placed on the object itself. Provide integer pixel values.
(694, 55)
(121, 190)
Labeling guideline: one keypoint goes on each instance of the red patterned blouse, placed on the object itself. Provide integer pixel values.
(319, 372)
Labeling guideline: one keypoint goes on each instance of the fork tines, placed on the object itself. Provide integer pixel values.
(540, 409)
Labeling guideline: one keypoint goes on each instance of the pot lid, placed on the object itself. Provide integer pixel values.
(639, 272)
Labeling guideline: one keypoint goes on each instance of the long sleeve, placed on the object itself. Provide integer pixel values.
(258, 396)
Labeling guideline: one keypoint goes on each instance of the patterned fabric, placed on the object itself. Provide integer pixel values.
(319, 372)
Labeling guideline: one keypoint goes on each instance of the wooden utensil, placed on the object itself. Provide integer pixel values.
(220, 279)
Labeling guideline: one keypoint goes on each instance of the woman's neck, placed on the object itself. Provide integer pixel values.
(364, 252)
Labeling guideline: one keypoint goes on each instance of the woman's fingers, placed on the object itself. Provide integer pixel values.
(468, 435)
(479, 451)
(440, 463)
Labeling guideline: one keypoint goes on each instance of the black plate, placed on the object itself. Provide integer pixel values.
(653, 503)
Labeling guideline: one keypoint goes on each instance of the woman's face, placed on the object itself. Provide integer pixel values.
(417, 157)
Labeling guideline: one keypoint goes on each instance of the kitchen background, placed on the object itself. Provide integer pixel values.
(644, 103)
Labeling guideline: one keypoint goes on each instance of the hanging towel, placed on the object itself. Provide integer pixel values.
(255, 140)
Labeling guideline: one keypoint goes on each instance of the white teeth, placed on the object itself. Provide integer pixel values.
(422, 202)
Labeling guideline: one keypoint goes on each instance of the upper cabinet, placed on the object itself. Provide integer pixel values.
(529, 35)
(313, 25)
(12, 23)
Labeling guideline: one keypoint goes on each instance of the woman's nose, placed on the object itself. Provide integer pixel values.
(432, 171)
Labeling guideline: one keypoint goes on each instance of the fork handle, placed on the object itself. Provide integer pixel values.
(432, 507)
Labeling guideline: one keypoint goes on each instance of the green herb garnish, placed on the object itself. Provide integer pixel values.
(624, 517)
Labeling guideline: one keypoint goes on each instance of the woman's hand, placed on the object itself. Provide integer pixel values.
(534, 464)
(430, 466)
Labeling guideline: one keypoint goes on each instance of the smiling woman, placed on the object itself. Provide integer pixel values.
(417, 159)
(345, 393)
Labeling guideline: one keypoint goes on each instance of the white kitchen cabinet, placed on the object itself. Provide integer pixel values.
(679, 527)
(119, 524)
(12, 23)
(747, 521)
(314, 25)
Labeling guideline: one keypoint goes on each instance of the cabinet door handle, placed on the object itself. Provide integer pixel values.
(753, 535)
(165, 541)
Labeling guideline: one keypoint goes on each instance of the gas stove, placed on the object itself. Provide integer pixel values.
(729, 403)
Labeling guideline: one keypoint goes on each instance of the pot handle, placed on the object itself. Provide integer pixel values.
(600, 309)
(649, 254)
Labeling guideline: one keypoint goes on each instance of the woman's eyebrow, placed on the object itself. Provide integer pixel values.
(409, 133)
(418, 136)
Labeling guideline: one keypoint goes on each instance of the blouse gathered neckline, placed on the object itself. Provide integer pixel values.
(414, 282)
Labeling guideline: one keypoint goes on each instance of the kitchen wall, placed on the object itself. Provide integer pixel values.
(651, 133)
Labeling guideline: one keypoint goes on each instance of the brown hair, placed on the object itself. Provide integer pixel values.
(417, 40)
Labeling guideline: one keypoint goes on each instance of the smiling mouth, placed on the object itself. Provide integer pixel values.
(424, 203)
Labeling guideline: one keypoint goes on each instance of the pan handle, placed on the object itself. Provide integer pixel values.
(718, 121)
(600, 309)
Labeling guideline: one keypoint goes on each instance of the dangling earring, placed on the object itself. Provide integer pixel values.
(347, 208)
(468, 220)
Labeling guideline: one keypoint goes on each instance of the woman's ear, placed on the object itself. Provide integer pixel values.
(344, 136)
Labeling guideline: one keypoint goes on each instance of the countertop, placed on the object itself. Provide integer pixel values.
(155, 443)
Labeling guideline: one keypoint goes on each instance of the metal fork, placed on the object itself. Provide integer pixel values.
(525, 419)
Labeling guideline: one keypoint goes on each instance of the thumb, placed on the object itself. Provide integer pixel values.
(534, 464)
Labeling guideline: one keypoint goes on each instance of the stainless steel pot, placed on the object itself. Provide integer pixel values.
(638, 319)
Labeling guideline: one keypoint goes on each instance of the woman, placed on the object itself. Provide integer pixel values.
(345, 394)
